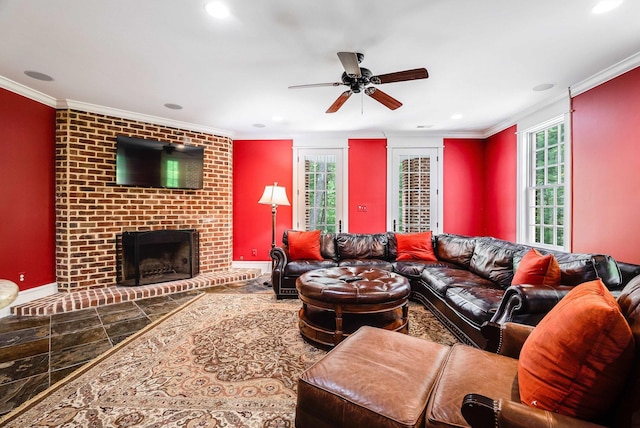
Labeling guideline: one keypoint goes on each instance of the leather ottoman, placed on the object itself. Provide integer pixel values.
(364, 382)
(337, 301)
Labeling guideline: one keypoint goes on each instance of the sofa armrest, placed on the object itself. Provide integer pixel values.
(481, 411)
(279, 258)
(278, 263)
(531, 302)
(505, 339)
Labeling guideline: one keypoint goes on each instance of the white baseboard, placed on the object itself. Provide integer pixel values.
(265, 267)
(27, 296)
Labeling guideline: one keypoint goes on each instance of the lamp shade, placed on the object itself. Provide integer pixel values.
(274, 195)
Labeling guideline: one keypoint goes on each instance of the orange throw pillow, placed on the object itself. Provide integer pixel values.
(536, 269)
(415, 246)
(579, 356)
(304, 245)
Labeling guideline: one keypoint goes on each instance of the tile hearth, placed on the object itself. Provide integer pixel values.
(38, 351)
(77, 300)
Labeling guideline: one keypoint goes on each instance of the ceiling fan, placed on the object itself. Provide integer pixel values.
(359, 78)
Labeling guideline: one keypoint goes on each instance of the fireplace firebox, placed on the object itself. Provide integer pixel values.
(156, 256)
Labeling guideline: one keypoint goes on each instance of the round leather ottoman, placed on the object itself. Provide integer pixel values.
(337, 301)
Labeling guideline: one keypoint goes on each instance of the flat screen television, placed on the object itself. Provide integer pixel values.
(151, 163)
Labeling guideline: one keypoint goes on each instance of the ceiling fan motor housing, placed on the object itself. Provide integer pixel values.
(357, 83)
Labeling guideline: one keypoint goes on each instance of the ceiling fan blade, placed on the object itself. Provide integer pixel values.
(401, 76)
(338, 103)
(316, 85)
(383, 98)
(350, 63)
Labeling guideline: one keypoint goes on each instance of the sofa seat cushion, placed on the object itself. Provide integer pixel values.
(440, 278)
(375, 378)
(492, 375)
(298, 267)
(371, 263)
(413, 269)
(475, 302)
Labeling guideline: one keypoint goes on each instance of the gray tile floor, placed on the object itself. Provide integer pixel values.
(36, 352)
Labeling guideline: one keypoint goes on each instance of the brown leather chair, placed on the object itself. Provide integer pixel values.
(487, 410)
(385, 379)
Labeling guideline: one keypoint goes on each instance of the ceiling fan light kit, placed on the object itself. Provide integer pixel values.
(359, 78)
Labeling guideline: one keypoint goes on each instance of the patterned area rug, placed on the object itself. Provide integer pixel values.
(222, 360)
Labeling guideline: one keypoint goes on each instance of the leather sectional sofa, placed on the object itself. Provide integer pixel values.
(469, 283)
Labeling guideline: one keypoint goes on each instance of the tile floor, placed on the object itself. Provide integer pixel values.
(36, 352)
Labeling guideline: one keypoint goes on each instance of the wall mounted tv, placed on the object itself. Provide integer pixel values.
(151, 163)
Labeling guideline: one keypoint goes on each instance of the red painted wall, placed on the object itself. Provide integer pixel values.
(258, 163)
(501, 170)
(27, 201)
(464, 186)
(367, 185)
(606, 168)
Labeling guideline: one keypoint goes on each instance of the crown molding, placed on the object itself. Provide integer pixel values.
(27, 92)
(607, 74)
(124, 114)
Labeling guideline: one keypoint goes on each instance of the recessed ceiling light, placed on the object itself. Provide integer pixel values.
(604, 6)
(543, 87)
(424, 126)
(456, 116)
(173, 106)
(277, 118)
(217, 9)
(38, 76)
(259, 125)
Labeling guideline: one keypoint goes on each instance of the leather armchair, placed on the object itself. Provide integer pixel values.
(482, 411)
(507, 339)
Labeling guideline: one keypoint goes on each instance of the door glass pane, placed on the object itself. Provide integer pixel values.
(414, 194)
(320, 193)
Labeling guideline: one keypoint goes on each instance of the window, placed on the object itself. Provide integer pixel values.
(546, 184)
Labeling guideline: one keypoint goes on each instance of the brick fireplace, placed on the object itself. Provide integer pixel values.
(91, 210)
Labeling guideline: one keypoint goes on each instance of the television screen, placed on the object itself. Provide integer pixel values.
(152, 163)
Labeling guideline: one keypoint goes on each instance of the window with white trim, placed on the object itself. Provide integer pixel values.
(546, 195)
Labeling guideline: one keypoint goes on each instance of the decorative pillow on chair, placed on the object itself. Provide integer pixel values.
(415, 246)
(537, 269)
(304, 245)
(579, 356)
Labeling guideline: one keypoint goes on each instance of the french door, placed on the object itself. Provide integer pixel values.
(414, 196)
(320, 190)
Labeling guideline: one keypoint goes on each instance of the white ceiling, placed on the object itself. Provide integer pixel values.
(483, 57)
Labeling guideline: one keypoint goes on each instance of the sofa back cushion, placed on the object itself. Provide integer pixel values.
(576, 361)
(327, 244)
(455, 249)
(361, 246)
(493, 261)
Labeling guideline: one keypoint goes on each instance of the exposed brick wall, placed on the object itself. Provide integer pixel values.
(91, 210)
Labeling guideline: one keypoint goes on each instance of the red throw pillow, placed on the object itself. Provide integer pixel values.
(304, 245)
(579, 356)
(415, 246)
(536, 269)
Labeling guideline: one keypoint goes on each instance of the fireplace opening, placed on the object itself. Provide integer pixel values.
(158, 256)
